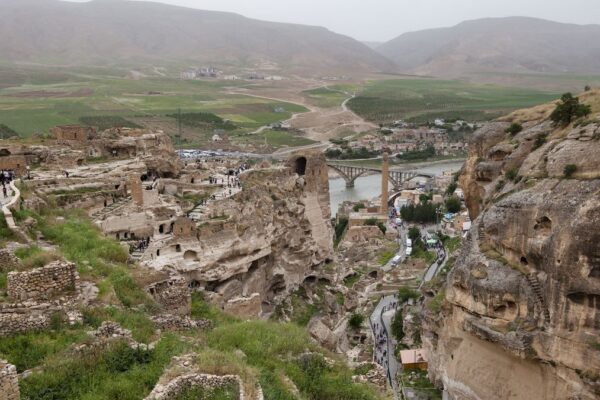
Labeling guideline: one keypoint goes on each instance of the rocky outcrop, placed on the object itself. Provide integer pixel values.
(521, 314)
(259, 245)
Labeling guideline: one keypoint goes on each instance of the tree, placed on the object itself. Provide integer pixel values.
(569, 109)
(587, 88)
(356, 320)
(451, 188)
(514, 128)
(358, 207)
(406, 293)
(398, 325)
(414, 233)
(569, 170)
(453, 204)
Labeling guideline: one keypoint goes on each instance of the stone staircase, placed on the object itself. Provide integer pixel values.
(534, 283)
(121, 202)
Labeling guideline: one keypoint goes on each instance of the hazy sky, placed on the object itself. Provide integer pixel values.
(381, 20)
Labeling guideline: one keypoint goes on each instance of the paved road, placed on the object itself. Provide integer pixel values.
(9, 195)
(380, 321)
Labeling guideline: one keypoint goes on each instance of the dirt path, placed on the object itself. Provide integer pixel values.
(320, 124)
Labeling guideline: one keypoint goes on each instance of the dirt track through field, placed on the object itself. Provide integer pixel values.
(320, 124)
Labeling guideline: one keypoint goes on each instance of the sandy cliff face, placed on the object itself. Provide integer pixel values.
(521, 316)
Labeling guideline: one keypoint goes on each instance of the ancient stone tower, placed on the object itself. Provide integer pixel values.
(384, 184)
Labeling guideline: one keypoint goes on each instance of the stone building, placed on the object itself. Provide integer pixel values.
(172, 294)
(72, 134)
(16, 162)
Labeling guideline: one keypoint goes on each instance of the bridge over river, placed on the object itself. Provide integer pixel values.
(350, 173)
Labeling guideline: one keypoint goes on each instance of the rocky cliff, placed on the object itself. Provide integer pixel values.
(520, 317)
(259, 245)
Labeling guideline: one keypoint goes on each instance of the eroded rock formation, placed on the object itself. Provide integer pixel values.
(521, 315)
(257, 246)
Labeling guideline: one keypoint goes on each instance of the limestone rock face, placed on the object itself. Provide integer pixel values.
(259, 245)
(521, 316)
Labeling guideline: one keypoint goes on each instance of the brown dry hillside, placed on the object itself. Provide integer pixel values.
(514, 45)
(104, 32)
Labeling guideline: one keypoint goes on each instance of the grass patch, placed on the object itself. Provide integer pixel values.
(103, 122)
(228, 392)
(435, 304)
(385, 257)
(117, 372)
(274, 348)
(29, 350)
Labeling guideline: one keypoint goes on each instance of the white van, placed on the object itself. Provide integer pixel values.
(408, 242)
(408, 251)
(396, 259)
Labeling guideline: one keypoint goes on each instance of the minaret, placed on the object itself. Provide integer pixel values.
(384, 184)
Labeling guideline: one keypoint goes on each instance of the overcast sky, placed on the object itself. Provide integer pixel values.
(381, 20)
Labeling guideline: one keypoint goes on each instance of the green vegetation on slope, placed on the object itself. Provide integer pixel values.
(258, 351)
(422, 100)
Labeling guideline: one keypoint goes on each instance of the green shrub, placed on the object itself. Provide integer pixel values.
(514, 128)
(397, 327)
(453, 204)
(406, 293)
(568, 110)
(356, 320)
(358, 206)
(539, 142)
(569, 170)
(451, 188)
(414, 233)
(511, 174)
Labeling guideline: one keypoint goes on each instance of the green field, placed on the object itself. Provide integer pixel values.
(422, 100)
(329, 96)
(275, 139)
(35, 105)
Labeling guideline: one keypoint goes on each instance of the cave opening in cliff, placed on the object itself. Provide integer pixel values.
(300, 166)
(524, 261)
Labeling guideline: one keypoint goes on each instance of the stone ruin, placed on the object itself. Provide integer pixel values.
(184, 374)
(9, 382)
(174, 388)
(43, 283)
(172, 294)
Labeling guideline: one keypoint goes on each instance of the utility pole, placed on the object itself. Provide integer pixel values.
(179, 126)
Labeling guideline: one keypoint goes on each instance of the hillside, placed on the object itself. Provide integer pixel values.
(506, 45)
(104, 32)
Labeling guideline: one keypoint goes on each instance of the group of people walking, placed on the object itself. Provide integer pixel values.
(6, 177)
(140, 245)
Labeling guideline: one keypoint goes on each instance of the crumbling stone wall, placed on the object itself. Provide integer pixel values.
(43, 283)
(174, 322)
(19, 318)
(173, 295)
(8, 260)
(181, 383)
(9, 382)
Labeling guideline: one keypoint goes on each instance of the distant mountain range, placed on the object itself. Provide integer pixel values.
(121, 32)
(514, 45)
(104, 32)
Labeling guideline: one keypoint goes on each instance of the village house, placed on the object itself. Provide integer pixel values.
(414, 359)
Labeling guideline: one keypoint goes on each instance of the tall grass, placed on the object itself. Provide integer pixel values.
(117, 372)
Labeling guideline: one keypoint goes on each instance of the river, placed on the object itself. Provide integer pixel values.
(369, 187)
